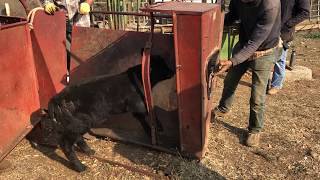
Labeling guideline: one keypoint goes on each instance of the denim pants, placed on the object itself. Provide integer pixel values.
(261, 68)
(279, 71)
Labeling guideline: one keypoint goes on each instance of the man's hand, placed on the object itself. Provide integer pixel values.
(84, 8)
(50, 8)
(223, 66)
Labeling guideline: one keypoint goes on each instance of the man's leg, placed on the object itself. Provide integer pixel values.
(279, 73)
(230, 85)
(260, 74)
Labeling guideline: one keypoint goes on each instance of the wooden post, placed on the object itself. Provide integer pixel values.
(310, 15)
(138, 19)
(111, 19)
(7, 7)
(318, 12)
(125, 21)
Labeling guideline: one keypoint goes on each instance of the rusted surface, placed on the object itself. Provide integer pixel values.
(97, 52)
(188, 56)
(180, 8)
(211, 37)
(129, 168)
(112, 52)
(131, 14)
(28, 72)
(48, 44)
(147, 90)
(18, 92)
(6, 22)
(192, 51)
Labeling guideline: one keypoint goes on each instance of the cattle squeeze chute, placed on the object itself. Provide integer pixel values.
(33, 67)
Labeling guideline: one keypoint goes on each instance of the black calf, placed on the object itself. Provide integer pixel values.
(80, 107)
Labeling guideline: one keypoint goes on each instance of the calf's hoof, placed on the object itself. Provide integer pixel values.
(79, 167)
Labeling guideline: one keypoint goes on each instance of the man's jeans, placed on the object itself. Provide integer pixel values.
(279, 71)
(261, 68)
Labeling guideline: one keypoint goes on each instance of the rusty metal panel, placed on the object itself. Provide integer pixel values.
(32, 65)
(18, 92)
(180, 8)
(197, 33)
(49, 50)
(96, 52)
(188, 56)
(211, 36)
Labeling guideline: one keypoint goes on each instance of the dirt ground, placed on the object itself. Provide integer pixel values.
(290, 142)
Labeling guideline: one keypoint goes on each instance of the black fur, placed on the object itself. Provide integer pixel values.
(80, 107)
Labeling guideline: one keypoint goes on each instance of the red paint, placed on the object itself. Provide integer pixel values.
(197, 34)
(31, 66)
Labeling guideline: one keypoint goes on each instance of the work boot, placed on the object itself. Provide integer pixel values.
(273, 91)
(217, 113)
(253, 139)
(4, 164)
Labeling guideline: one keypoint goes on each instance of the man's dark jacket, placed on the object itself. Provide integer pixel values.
(259, 26)
(292, 13)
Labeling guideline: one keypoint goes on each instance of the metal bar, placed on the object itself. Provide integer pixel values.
(12, 25)
(310, 11)
(111, 19)
(131, 14)
(138, 19)
(100, 2)
(128, 167)
(318, 11)
(116, 137)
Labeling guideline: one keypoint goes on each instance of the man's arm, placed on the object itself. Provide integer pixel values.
(44, 2)
(232, 15)
(90, 2)
(302, 9)
(259, 35)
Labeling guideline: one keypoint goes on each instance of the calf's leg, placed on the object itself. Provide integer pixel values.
(66, 144)
(81, 143)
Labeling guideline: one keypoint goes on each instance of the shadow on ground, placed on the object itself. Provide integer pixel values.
(171, 166)
(239, 132)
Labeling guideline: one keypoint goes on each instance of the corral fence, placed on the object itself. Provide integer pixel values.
(315, 10)
(126, 15)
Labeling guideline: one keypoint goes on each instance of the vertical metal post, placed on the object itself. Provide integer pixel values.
(310, 15)
(318, 12)
(7, 7)
(125, 9)
(138, 19)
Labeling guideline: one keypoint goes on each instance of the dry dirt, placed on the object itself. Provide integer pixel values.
(290, 143)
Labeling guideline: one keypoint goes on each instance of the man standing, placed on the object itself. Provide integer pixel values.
(77, 13)
(292, 13)
(256, 49)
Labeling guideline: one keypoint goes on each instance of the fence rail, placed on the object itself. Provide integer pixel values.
(126, 14)
(315, 10)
